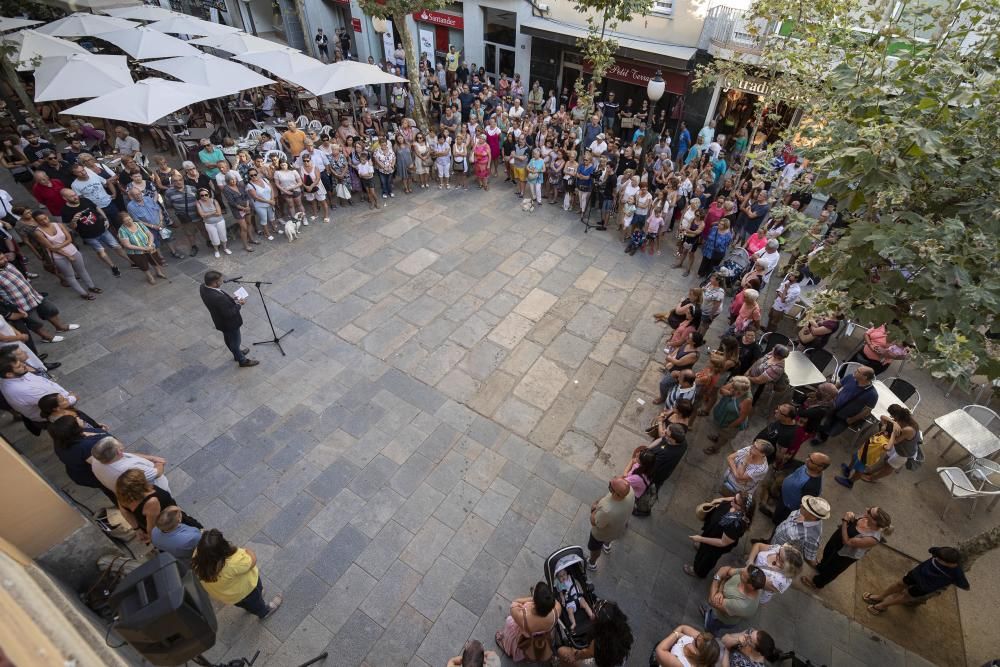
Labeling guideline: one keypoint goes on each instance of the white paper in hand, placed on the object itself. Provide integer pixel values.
(241, 293)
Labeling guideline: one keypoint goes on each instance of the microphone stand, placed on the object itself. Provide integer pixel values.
(276, 340)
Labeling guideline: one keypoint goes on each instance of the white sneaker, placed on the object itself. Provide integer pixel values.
(217, 255)
(385, 196)
(305, 223)
(326, 219)
(72, 327)
(392, 194)
(270, 237)
(227, 251)
(55, 339)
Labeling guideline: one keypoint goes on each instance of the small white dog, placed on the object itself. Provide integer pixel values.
(292, 227)
(527, 205)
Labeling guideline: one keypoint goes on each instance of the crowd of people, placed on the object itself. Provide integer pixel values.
(695, 198)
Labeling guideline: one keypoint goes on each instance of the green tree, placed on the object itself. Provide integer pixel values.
(899, 114)
(603, 16)
(399, 11)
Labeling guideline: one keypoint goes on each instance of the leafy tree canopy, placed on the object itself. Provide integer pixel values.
(899, 121)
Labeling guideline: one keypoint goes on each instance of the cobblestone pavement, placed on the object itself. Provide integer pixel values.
(460, 385)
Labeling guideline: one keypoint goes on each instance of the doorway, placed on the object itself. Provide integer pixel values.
(499, 60)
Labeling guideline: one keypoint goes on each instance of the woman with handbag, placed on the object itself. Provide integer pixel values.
(725, 522)
(527, 633)
(138, 242)
(855, 537)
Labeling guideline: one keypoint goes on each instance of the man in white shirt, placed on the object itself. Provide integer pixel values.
(318, 157)
(707, 133)
(769, 255)
(125, 144)
(110, 461)
(91, 186)
(599, 146)
(716, 146)
(22, 388)
(788, 294)
(790, 172)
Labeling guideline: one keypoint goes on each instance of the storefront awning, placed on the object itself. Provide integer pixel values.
(650, 51)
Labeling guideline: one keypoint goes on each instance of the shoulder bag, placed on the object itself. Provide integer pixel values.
(536, 647)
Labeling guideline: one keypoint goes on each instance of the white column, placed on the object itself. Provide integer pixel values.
(713, 105)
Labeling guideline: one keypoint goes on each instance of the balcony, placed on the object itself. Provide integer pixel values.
(726, 34)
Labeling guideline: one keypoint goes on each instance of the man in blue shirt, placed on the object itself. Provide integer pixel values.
(941, 570)
(854, 402)
(683, 142)
(807, 480)
(173, 537)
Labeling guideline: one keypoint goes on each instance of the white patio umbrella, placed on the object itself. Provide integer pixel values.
(30, 44)
(143, 43)
(238, 43)
(143, 102)
(221, 75)
(142, 13)
(83, 24)
(7, 24)
(189, 25)
(80, 75)
(286, 63)
(342, 76)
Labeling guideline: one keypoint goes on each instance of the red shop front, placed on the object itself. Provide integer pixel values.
(438, 30)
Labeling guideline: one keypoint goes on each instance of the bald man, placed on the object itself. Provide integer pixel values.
(608, 518)
(807, 480)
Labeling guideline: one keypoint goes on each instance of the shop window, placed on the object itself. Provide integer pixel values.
(499, 27)
(663, 7)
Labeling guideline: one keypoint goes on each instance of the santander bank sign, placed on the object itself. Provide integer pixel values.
(440, 18)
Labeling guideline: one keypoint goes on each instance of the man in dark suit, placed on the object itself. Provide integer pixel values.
(225, 311)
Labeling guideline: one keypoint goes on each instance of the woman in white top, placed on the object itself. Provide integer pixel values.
(313, 188)
(686, 647)
(460, 153)
(289, 184)
(781, 563)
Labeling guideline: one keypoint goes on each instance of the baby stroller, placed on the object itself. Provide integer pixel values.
(572, 560)
(731, 269)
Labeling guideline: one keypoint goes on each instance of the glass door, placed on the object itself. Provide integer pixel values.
(499, 60)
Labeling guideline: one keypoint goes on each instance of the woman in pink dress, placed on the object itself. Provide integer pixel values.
(493, 140)
(482, 154)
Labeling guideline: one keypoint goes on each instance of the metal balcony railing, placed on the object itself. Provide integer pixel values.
(729, 28)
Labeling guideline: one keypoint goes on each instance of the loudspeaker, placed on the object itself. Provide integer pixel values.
(163, 612)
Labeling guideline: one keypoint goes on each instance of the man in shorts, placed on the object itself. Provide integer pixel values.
(28, 307)
(519, 164)
(609, 517)
(941, 570)
(83, 217)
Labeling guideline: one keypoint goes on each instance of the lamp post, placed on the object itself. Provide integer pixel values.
(249, 11)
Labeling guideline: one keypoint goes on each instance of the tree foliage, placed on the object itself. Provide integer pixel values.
(598, 50)
(899, 114)
(399, 11)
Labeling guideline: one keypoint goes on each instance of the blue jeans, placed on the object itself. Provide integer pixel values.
(233, 340)
(713, 624)
(254, 601)
(386, 181)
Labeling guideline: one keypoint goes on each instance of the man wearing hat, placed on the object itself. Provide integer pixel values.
(803, 528)
(599, 146)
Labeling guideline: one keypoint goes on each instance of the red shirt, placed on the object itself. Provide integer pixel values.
(49, 196)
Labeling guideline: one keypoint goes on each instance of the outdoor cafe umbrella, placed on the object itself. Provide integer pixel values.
(189, 25)
(144, 102)
(30, 45)
(7, 24)
(238, 43)
(284, 63)
(223, 76)
(83, 24)
(80, 75)
(143, 43)
(142, 13)
(342, 76)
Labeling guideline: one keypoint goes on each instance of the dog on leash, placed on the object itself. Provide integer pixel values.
(527, 205)
(292, 227)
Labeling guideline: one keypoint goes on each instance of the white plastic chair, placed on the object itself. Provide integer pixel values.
(302, 122)
(267, 156)
(315, 125)
(980, 480)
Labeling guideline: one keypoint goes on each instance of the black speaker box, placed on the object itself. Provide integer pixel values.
(163, 612)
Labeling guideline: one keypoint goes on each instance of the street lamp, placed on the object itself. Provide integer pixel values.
(249, 11)
(656, 87)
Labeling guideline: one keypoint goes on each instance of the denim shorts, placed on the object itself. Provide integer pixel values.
(105, 240)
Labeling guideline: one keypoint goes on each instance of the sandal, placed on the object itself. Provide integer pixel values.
(87, 297)
(808, 582)
(871, 599)
(689, 571)
(95, 290)
(496, 638)
(874, 611)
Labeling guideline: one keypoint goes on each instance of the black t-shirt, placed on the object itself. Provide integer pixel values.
(466, 99)
(813, 415)
(626, 163)
(89, 224)
(667, 458)
(748, 355)
(611, 109)
(778, 434)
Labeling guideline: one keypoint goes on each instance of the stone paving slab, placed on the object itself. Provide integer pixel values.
(457, 391)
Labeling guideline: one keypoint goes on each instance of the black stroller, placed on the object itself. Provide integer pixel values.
(572, 560)
(731, 269)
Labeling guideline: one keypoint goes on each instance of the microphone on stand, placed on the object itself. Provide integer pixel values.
(233, 280)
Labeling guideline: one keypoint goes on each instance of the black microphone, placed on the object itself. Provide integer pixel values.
(233, 280)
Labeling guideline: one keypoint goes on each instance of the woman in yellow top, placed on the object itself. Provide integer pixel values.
(230, 574)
